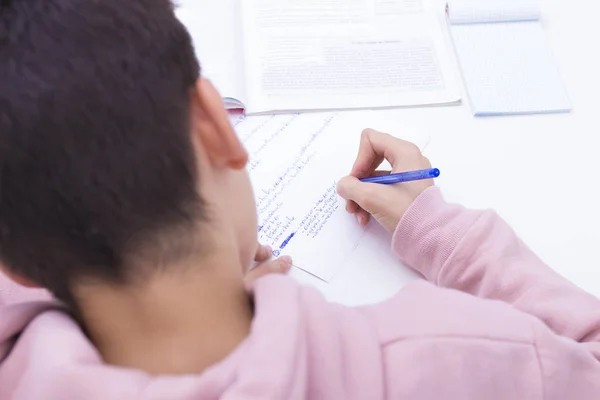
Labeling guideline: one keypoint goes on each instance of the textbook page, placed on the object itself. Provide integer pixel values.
(295, 163)
(215, 30)
(344, 54)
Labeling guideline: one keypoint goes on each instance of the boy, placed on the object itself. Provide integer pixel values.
(123, 192)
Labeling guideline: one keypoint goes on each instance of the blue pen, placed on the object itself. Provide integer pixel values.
(403, 177)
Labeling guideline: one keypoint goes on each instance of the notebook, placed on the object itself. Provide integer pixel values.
(295, 163)
(506, 61)
(298, 55)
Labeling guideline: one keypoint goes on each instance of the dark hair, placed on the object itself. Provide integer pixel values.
(96, 157)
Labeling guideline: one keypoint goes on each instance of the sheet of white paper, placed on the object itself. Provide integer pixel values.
(341, 54)
(295, 163)
(215, 30)
(509, 69)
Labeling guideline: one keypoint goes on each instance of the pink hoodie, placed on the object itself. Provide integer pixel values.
(454, 341)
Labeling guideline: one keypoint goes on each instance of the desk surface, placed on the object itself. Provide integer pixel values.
(537, 172)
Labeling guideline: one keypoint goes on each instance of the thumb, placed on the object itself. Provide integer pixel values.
(364, 194)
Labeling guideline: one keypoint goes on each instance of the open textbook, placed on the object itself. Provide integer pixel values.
(294, 55)
(506, 61)
(295, 163)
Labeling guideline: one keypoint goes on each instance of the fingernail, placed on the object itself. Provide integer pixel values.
(362, 220)
(268, 249)
(286, 259)
(359, 219)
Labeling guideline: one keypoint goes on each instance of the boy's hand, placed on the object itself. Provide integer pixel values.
(387, 203)
(280, 265)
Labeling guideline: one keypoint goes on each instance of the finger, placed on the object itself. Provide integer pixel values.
(426, 162)
(366, 195)
(381, 173)
(348, 188)
(375, 147)
(352, 207)
(363, 217)
(263, 253)
(367, 160)
(281, 265)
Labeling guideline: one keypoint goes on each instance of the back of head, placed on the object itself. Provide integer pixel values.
(95, 151)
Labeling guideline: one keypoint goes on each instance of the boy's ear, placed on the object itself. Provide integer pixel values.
(211, 123)
(18, 279)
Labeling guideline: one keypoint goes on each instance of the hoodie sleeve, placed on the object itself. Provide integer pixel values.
(478, 253)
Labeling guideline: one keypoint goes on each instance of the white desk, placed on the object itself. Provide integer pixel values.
(538, 172)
